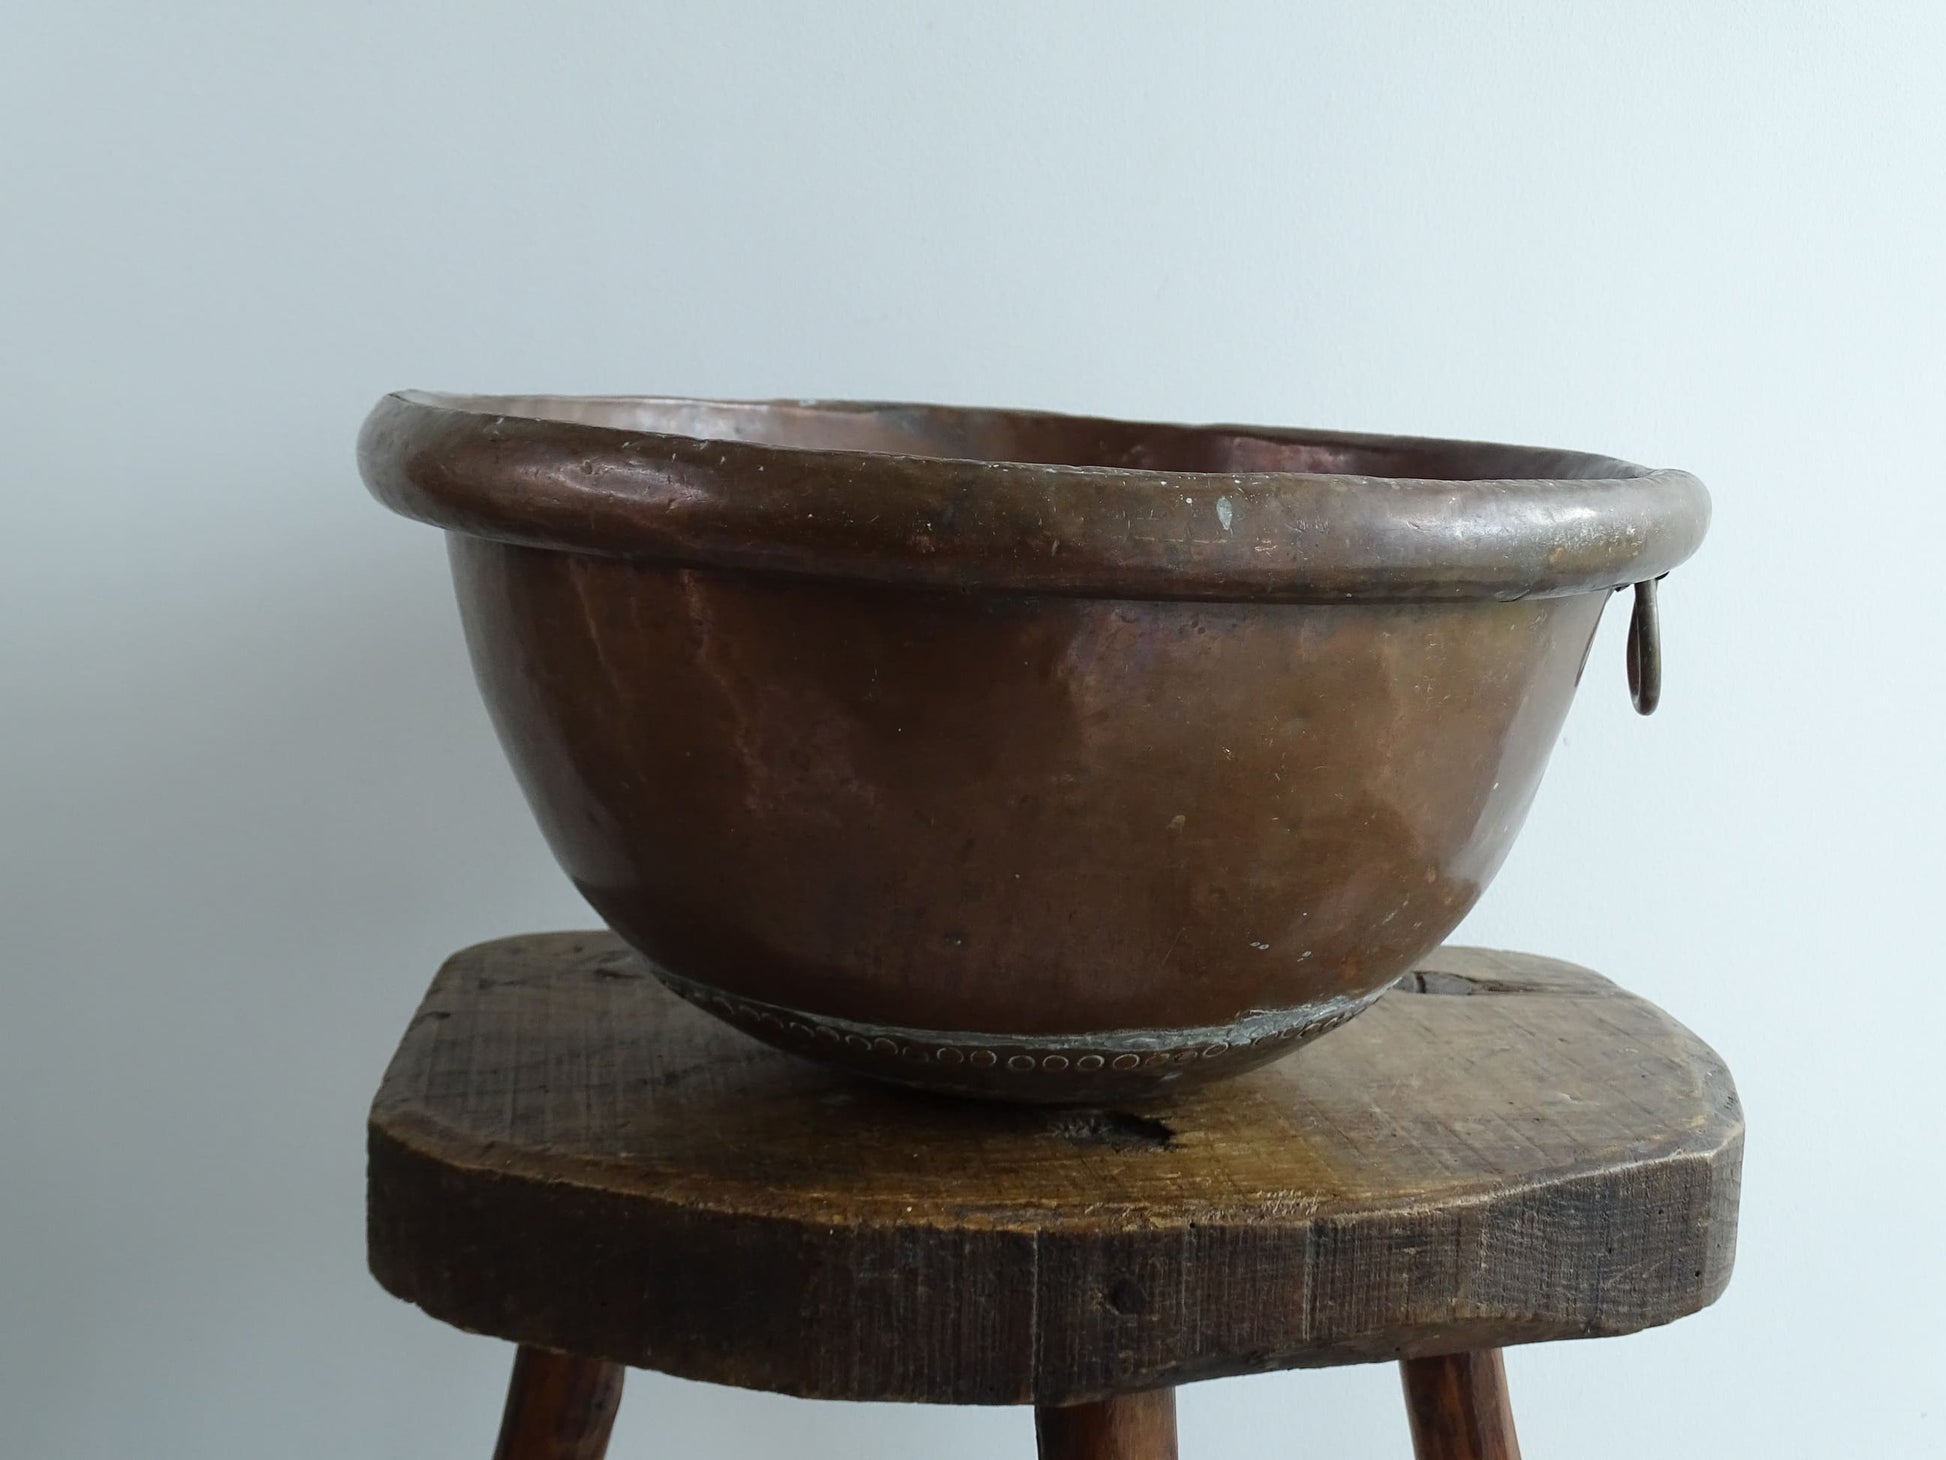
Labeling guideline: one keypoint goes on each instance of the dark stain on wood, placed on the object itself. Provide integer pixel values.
(1117, 1128)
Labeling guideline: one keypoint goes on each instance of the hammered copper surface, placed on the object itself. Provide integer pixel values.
(999, 799)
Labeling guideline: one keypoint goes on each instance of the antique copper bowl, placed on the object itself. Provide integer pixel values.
(1018, 754)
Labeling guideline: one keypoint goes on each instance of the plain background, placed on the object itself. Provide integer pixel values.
(249, 798)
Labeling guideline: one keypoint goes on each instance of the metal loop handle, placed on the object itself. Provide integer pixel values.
(1645, 649)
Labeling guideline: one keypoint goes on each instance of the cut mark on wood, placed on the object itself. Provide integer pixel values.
(1432, 981)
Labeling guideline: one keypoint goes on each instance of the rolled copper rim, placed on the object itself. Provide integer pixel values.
(1028, 502)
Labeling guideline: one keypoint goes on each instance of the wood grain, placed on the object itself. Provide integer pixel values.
(1458, 1408)
(1504, 1150)
(1138, 1426)
(558, 1407)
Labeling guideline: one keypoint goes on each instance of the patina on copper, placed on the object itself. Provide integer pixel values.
(910, 736)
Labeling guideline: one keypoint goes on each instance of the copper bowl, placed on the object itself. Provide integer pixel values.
(1018, 754)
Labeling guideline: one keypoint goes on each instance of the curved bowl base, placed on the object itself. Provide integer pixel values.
(1053, 1069)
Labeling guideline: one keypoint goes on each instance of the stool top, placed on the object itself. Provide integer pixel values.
(1503, 1149)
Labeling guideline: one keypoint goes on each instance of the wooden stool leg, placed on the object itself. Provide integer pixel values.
(559, 1407)
(1458, 1407)
(1127, 1427)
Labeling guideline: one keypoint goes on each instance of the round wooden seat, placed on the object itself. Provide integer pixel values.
(1503, 1149)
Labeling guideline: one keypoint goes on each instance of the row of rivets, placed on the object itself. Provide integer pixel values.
(986, 1059)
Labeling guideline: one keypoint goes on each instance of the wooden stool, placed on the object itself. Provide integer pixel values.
(1505, 1149)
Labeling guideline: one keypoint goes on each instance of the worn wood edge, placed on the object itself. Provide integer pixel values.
(483, 1278)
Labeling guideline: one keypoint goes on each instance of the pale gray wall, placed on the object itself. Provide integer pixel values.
(249, 799)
